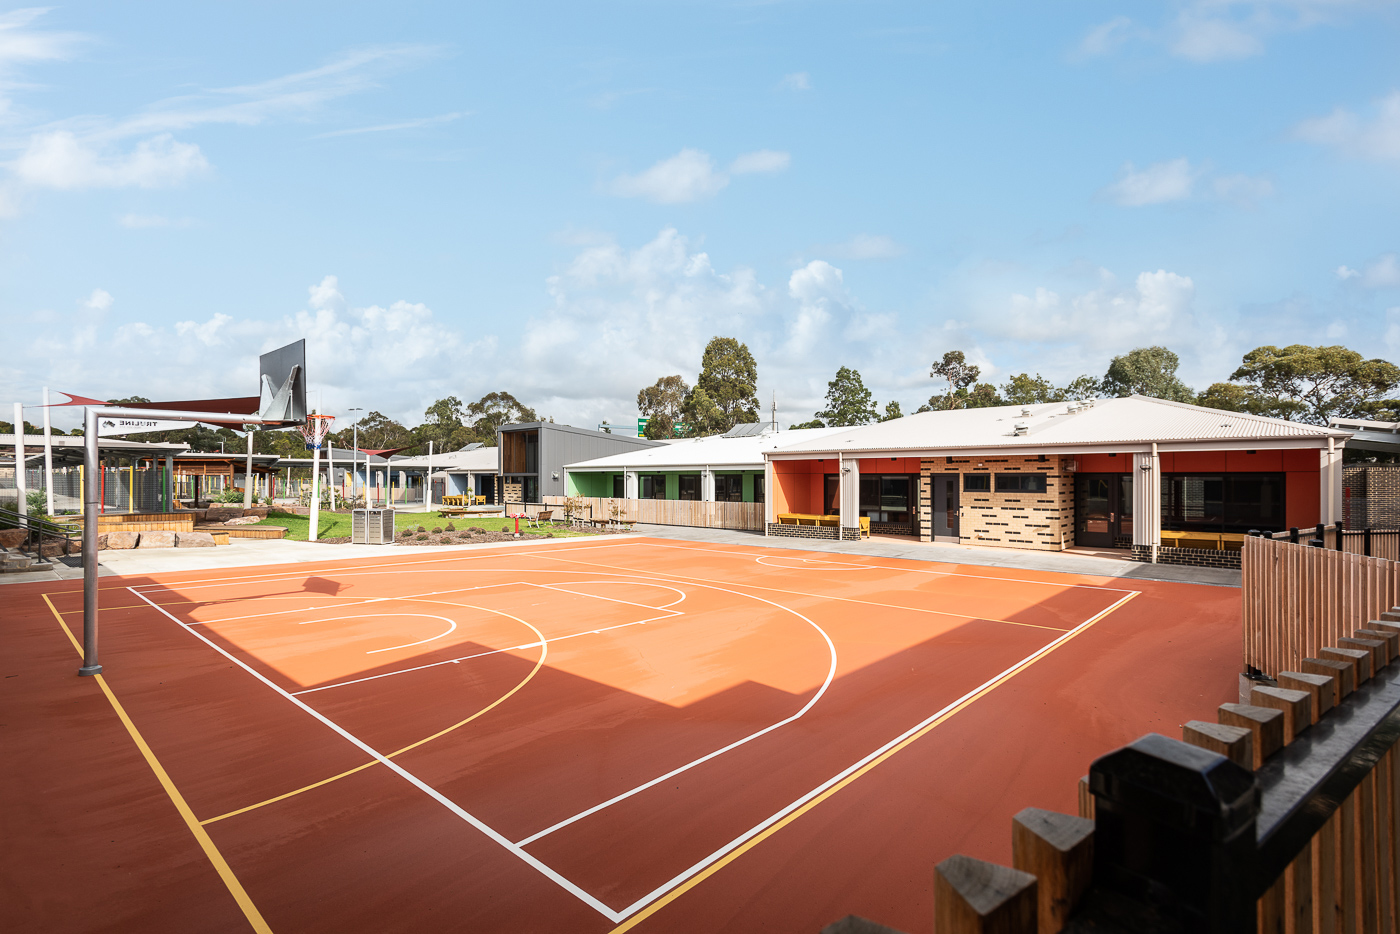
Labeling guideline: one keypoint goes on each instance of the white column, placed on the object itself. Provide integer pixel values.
(1147, 500)
(248, 474)
(707, 485)
(629, 484)
(48, 454)
(1331, 483)
(768, 492)
(21, 504)
(850, 493)
(428, 493)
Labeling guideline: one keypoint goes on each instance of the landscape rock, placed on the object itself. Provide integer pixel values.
(120, 540)
(222, 514)
(156, 540)
(12, 538)
(194, 540)
(258, 511)
(53, 549)
(244, 520)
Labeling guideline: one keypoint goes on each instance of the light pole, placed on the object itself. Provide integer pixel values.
(355, 455)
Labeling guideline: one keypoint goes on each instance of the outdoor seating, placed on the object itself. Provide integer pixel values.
(802, 518)
(544, 516)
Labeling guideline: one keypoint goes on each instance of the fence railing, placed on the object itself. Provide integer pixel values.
(1282, 817)
(696, 513)
(1297, 599)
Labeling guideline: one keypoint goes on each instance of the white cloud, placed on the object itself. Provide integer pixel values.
(864, 246)
(1375, 136)
(1243, 190)
(1176, 180)
(1379, 272)
(99, 300)
(763, 160)
(1106, 37)
(797, 81)
(61, 160)
(817, 288)
(1157, 184)
(388, 127)
(1207, 38)
(687, 176)
(1158, 306)
(148, 221)
(1206, 31)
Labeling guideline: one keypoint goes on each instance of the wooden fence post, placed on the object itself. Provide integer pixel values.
(1235, 743)
(971, 896)
(1059, 851)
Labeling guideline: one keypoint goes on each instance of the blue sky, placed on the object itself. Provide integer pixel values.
(566, 201)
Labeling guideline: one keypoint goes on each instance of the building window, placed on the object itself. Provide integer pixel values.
(1224, 503)
(758, 489)
(619, 485)
(689, 486)
(888, 497)
(729, 488)
(977, 483)
(652, 486)
(532, 489)
(1020, 483)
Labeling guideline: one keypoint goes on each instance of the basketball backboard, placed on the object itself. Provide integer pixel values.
(282, 379)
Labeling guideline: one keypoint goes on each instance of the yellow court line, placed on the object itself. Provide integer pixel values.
(734, 854)
(221, 866)
(427, 739)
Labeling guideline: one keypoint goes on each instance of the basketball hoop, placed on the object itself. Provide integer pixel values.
(316, 429)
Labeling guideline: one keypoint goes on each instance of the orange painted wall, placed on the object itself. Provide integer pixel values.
(1304, 492)
(1105, 463)
(798, 485)
(890, 465)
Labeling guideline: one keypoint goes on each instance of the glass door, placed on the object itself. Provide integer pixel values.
(1098, 511)
(945, 505)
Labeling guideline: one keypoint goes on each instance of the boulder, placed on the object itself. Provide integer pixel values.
(258, 511)
(53, 549)
(12, 538)
(121, 540)
(194, 540)
(222, 514)
(156, 540)
(244, 520)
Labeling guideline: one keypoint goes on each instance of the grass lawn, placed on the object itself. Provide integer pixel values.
(337, 525)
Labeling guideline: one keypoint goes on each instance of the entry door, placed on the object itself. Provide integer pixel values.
(945, 505)
(1103, 509)
(831, 494)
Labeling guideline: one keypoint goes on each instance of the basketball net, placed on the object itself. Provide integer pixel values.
(316, 429)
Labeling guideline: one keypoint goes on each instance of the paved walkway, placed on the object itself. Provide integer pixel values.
(254, 552)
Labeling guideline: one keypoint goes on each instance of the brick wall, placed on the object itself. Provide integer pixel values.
(1035, 521)
(515, 491)
(827, 533)
(1371, 496)
(1198, 557)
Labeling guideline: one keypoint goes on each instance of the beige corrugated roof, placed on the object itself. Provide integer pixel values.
(714, 451)
(1131, 421)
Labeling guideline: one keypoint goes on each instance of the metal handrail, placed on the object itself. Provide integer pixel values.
(36, 527)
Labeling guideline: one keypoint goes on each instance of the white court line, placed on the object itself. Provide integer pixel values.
(454, 661)
(618, 916)
(670, 884)
(830, 676)
(404, 773)
(815, 564)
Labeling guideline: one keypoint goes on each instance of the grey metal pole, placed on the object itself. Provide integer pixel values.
(90, 493)
(21, 493)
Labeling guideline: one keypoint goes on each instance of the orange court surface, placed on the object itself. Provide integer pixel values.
(641, 734)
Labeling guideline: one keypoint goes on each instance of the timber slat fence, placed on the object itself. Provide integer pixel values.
(746, 517)
(1298, 599)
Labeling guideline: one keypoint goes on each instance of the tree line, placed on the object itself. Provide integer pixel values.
(1298, 383)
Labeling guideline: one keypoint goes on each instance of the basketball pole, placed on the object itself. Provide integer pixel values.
(315, 482)
(90, 666)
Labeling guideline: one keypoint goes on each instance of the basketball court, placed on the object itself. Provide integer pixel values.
(573, 737)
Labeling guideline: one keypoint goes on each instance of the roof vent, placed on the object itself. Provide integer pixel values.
(1021, 428)
(1025, 412)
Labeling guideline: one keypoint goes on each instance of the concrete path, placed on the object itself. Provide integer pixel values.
(254, 552)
